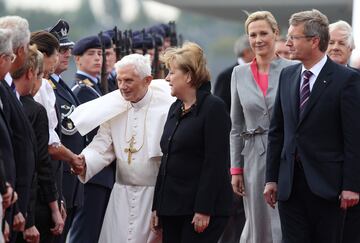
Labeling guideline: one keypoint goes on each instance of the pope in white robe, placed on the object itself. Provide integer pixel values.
(129, 132)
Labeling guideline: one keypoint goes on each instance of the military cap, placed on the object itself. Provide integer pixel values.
(110, 33)
(90, 42)
(60, 31)
(156, 29)
(148, 42)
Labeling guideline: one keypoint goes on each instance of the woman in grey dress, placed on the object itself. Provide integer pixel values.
(253, 91)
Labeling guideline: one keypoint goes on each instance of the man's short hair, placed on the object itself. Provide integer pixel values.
(315, 24)
(19, 28)
(241, 44)
(5, 41)
(347, 29)
(141, 64)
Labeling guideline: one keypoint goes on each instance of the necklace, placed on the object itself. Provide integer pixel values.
(185, 111)
(131, 149)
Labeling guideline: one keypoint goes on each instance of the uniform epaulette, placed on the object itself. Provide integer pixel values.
(87, 82)
(53, 86)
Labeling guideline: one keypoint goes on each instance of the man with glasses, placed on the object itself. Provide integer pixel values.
(66, 101)
(313, 150)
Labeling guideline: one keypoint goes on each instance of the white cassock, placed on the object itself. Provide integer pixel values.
(128, 214)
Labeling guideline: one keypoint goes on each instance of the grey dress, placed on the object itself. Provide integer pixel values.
(250, 114)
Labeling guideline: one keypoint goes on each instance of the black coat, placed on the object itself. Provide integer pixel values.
(326, 136)
(222, 86)
(194, 172)
(45, 190)
(24, 145)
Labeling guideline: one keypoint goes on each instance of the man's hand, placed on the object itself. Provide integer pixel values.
(19, 222)
(6, 231)
(9, 197)
(155, 223)
(32, 235)
(237, 182)
(56, 218)
(270, 193)
(348, 199)
(201, 222)
(78, 164)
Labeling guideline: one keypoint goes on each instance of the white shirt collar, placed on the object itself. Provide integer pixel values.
(144, 101)
(9, 81)
(240, 61)
(55, 77)
(316, 69)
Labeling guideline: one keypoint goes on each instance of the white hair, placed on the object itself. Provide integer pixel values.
(19, 27)
(5, 41)
(344, 26)
(141, 64)
(241, 44)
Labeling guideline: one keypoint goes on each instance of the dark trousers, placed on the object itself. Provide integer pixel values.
(307, 218)
(44, 222)
(234, 227)
(178, 229)
(88, 221)
(352, 225)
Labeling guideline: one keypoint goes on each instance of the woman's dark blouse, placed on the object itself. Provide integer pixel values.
(194, 172)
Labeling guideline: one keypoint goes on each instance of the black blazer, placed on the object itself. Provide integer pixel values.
(45, 190)
(222, 86)
(24, 145)
(326, 137)
(194, 172)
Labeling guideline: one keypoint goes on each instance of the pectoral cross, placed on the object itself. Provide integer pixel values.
(131, 149)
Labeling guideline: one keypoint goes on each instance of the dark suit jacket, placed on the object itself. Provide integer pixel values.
(326, 137)
(44, 188)
(24, 144)
(194, 172)
(72, 188)
(222, 86)
(85, 92)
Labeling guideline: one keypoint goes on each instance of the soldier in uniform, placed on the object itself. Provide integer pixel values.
(88, 58)
(66, 102)
(110, 62)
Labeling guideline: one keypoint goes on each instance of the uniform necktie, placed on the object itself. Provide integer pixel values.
(305, 90)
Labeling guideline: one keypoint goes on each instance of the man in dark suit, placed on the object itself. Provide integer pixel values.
(339, 50)
(97, 191)
(313, 151)
(23, 136)
(244, 55)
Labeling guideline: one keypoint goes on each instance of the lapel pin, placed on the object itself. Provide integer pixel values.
(324, 81)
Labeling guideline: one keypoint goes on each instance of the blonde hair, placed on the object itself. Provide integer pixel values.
(262, 15)
(190, 59)
(32, 62)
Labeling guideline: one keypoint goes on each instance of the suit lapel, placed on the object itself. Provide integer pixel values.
(294, 92)
(322, 81)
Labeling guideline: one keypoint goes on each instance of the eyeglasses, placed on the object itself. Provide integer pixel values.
(298, 37)
(12, 56)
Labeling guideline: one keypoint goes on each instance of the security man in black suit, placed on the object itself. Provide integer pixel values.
(88, 222)
(312, 166)
(66, 101)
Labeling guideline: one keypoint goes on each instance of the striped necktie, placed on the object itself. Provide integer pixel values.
(305, 90)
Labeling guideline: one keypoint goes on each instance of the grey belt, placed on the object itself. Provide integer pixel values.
(252, 132)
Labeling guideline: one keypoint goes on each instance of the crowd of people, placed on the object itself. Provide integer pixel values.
(140, 150)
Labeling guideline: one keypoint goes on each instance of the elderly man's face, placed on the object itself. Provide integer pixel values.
(132, 87)
(338, 49)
